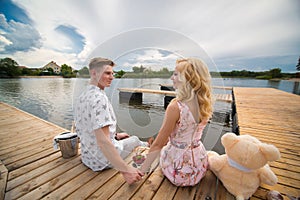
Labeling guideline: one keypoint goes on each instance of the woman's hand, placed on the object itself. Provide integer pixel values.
(121, 136)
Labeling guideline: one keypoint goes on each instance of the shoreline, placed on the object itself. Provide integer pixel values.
(294, 79)
(275, 79)
(40, 77)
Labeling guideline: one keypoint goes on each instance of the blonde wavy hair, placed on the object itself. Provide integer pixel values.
(196, 81)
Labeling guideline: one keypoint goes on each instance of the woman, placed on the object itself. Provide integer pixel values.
(183, 158)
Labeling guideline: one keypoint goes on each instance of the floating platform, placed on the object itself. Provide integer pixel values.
(135, 95)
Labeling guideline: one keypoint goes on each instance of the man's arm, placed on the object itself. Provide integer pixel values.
(130, 174)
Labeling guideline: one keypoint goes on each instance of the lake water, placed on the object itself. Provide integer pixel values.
(52, 99)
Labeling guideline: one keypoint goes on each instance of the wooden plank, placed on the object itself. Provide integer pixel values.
(107, 190)
(289, 181)
(283, 189)
(207, 186)
(55, 183)
(291, 162)
(75, 184)
(222, 193)
(166, 191)
(106, 186)
(28, 149)
(126, 191)
(101, 186)
(15, 163)
(24, 138)
(40, 180)
(17, 112)
(3, 179)
(185, 193)
(35, 169)
(284, 165)
(151, 185)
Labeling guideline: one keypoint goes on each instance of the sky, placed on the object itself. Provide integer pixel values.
(256, 35)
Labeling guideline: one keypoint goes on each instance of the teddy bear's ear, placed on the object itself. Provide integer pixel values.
(228, 139)
(270, 152)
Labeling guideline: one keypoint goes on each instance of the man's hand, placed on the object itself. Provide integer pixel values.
(131, 176)
(121, 136)
(129, 173)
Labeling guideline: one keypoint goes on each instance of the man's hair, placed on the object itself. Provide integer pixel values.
(100, 62)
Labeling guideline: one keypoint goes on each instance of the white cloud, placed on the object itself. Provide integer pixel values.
(4, 42)
(156, 59)
(251, 28)
(16, 36)
(224, 29)
(45, 56)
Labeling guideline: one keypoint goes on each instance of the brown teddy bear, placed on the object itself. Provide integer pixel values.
(244, 166)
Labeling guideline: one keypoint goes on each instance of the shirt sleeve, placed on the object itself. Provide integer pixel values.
(100, 114)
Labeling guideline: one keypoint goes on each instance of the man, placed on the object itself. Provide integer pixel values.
(95, 121)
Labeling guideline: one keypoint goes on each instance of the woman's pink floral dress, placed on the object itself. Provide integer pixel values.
(184, 159)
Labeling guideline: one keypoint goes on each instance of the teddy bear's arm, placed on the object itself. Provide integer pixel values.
(215, 161)
(267, 176)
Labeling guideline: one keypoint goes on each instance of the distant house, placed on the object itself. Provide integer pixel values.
(23, 67)
(56, 68)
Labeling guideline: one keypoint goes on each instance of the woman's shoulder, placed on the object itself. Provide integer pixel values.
(173, 111)
(179, 104)
(173, 105)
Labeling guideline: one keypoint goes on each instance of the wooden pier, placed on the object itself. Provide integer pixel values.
(32, 169)
(273, 116)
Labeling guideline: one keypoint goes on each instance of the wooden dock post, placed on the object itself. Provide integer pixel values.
(135, 95)
(167, 99)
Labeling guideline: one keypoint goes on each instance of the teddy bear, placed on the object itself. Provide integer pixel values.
(244, 166)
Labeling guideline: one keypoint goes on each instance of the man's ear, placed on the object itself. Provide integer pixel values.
(92, 72)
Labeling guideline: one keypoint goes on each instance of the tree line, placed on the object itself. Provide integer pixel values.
(10, 68)
(271, 74)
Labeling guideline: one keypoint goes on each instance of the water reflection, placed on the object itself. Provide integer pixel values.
(296, 89)
(10, 89)
(274, 83)
(52, 99)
